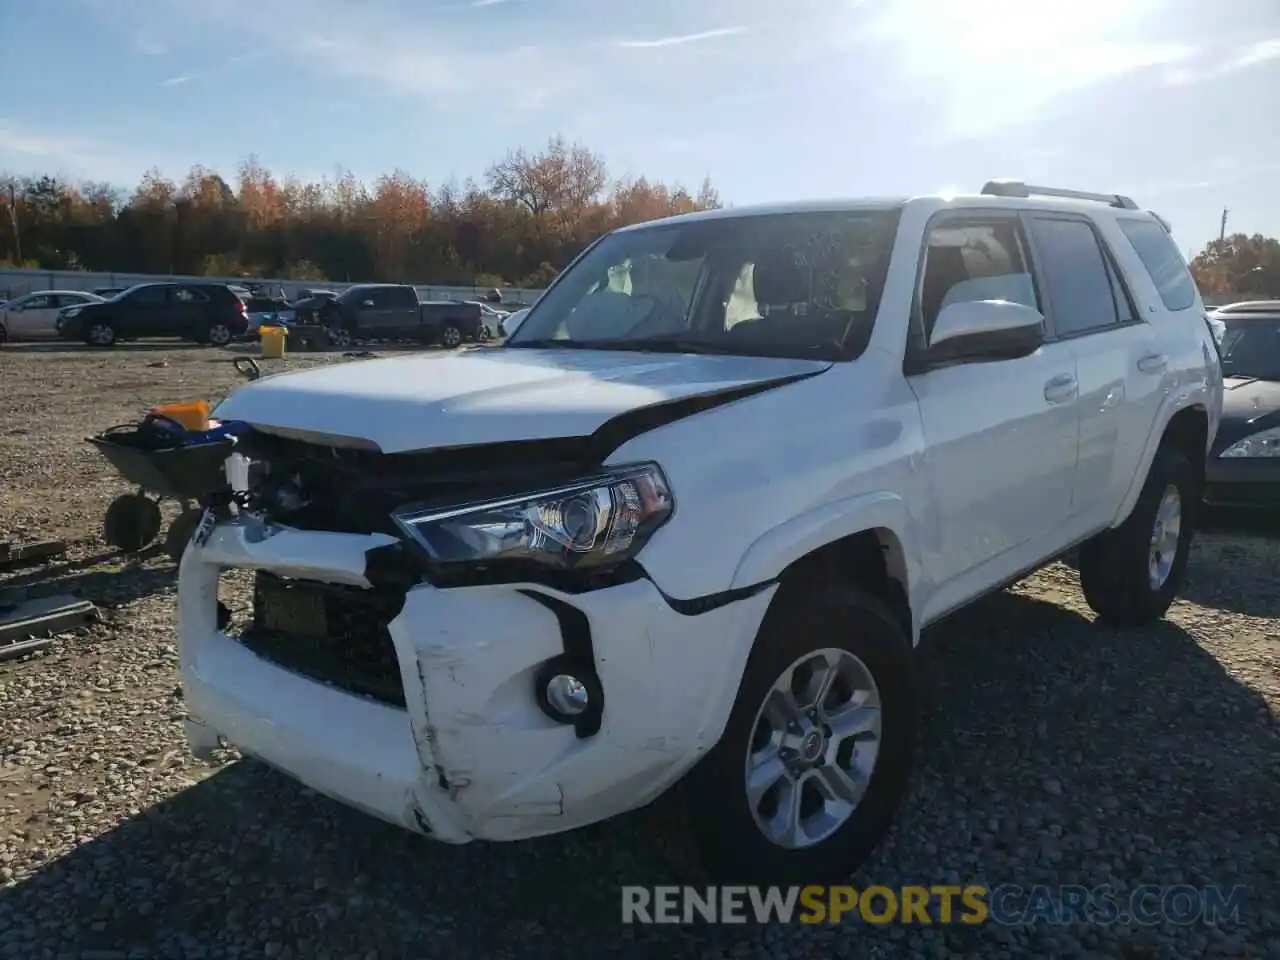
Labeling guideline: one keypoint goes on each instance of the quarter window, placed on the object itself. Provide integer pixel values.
(1078, 282)
(1163, 262)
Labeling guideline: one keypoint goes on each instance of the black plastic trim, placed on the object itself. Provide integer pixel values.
(579, 659)
(712, 601)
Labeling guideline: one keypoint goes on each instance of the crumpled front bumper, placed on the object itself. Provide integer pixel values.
(470, 756)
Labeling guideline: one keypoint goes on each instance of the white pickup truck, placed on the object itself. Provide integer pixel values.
(688, 523)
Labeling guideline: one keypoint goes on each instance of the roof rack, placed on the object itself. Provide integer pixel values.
(1016, 188)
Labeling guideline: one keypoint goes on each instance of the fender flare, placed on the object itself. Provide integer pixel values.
(1174, 404)
(780, 546)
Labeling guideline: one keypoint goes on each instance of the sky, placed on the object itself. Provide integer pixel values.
(1170, 101)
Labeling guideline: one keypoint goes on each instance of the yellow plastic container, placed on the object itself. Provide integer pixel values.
(273, 342)
(192, 414)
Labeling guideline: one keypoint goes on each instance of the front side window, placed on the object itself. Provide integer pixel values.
(1163, 262)
(967, 260)
(1251, 348)
(42, 302)
(790, 285)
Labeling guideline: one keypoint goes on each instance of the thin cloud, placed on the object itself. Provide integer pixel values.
(24, 148)
(435, 63)
(175, 81)
(1221, 65)
(681, 40)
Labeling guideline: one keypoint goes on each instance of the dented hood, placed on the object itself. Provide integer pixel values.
(490, 395)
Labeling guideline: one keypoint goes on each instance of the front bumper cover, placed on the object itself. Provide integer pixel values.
(471, 756)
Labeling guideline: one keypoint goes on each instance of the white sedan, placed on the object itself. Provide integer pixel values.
(35, 316)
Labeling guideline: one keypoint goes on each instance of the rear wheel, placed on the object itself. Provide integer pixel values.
(100, 333)
(450, 337)
(181, 531)
(814, 759)
(218, 334)
(1130, 575)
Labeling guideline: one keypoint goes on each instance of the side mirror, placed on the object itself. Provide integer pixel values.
(16, 308)
(976, 331)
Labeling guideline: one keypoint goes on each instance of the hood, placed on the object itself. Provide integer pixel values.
(1248, 405)
(492, 395)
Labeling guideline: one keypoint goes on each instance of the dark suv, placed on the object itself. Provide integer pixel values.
(200, 312)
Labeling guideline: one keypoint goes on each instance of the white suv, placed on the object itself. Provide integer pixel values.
(688, 524)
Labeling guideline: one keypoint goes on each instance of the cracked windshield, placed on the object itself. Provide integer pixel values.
(710, 479)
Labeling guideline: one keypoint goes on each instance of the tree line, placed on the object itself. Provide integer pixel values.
(530, 214)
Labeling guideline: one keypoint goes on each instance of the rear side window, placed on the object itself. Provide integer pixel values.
(402, 297)
(148, 297)
(1164, 263)
(190, 295)
(1079, 286)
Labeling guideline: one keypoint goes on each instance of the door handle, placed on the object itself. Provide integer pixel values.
(1061, 389)
(1153, 363)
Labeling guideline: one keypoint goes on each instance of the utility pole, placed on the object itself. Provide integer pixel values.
(1222, 229)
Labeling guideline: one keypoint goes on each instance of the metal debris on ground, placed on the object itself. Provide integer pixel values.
(27, 625)
(12, 555)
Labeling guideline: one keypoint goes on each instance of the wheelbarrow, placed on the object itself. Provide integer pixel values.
(189, 474)
(169, 463)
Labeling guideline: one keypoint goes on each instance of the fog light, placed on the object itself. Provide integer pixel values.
(567, 695)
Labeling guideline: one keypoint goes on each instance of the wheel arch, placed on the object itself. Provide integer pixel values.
(862, 540)
(1187, 430)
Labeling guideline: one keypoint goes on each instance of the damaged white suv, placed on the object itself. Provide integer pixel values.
(688, 523)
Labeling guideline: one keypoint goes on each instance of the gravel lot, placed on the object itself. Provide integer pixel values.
(1054, 752)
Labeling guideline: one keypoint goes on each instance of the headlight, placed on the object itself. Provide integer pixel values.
(1264, 443)
(594, 522)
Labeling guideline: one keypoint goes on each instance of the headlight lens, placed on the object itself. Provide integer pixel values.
(595, 522)
(1264, 443)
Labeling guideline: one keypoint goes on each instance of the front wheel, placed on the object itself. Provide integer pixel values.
(340, 337)
(815, 757)
(100, 334)
(1130, 575)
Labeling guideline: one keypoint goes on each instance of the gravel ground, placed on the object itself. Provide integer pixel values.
(1054, 752)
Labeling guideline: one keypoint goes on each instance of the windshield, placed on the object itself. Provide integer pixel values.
(1251, 348)
(802, 285)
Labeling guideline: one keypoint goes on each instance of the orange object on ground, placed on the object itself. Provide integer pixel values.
(192, 414)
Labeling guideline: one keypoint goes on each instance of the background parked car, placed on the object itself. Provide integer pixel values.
(1244, 464)
(391, 311)
(200, 312)
(266, 309)
(106, 293)
(35, 316)
(511, 323)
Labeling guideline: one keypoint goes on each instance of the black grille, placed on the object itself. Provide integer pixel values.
(332, 633)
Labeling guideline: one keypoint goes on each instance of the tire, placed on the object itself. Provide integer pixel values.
(132, 522)
(100, 333)
(180, 533)
(450, 337)
(484, 336)
(818, 626)
(1122, 581)
(218, 334)
(341, 337)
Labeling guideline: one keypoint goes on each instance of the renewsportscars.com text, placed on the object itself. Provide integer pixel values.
(1006, 904)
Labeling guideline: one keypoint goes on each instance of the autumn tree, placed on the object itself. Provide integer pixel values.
(1239, 264)
(529, 216)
